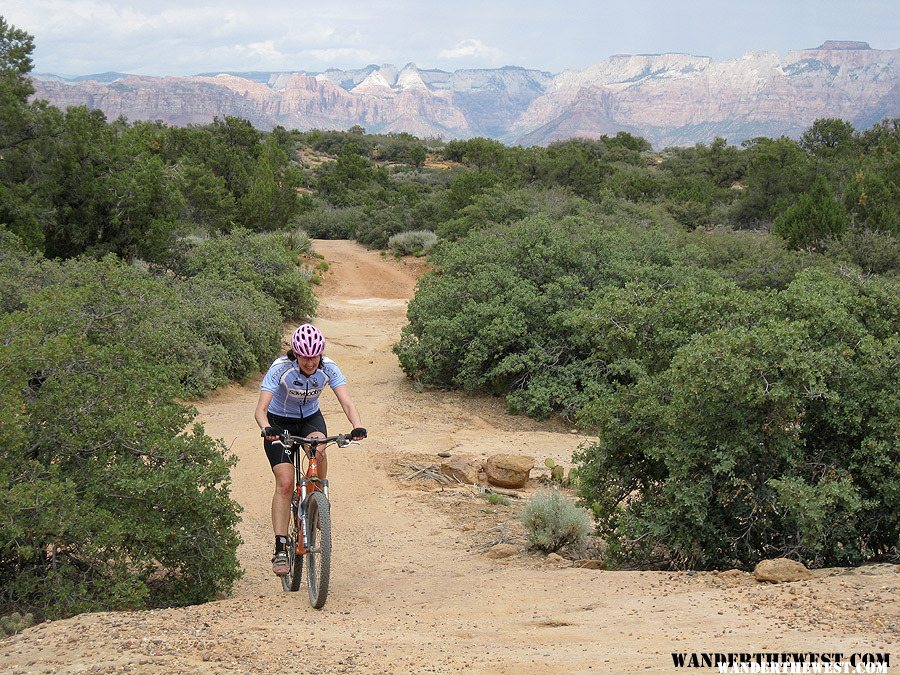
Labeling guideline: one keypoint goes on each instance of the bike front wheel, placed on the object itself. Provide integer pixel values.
(318, 554)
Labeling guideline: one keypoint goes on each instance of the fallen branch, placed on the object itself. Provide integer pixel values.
(426, 472)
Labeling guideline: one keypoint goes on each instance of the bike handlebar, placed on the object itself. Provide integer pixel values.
(342, 440)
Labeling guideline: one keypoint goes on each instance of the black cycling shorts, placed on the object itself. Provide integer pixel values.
(296, 427)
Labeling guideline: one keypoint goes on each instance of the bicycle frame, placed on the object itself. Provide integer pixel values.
(304, 484)
(309, 481)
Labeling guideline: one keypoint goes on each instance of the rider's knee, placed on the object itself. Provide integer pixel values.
(284, 487)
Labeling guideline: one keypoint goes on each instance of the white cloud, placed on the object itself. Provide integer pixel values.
(265, 50)
(159, 37)
(343, 54)
(467, 49)
(172, 37)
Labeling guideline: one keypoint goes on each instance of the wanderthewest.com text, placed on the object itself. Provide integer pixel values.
(785, 662)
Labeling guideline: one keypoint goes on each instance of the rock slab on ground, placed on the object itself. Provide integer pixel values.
(462, 468)
(508, 471)
(780, 570)
(501, 551)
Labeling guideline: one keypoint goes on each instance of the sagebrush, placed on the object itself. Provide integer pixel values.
(552, 521)
(416, 242)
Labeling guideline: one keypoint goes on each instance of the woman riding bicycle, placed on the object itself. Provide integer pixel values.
(289, 401)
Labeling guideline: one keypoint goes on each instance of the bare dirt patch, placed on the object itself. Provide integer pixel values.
(434, 162)
(312, 159)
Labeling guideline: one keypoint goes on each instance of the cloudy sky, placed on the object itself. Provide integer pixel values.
(160, 37)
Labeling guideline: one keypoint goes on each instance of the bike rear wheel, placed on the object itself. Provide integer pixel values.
(318, 554)
(291, 581)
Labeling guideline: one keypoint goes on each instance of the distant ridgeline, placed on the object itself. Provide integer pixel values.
(669, 99)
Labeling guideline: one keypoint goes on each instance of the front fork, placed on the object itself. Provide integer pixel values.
(298, 509)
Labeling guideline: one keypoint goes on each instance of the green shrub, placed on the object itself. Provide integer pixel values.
(815, 216)
(501, 206)
(502, 311)
(297, 240)
(873, 197)
(760, 440)
(21, 272)
(752, 260)
(741, 391)
(382, 221)
(228, 330)
(777, 171)
(402, 147)
(634, 184)
(328, 222)
(133, 504)
(873, 251)
(690, 214)
(417, 242)
(552, 522)
(15, 623)
(262, 260)
(207, 330)
(347, 181)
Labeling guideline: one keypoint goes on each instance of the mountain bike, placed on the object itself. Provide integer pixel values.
(309, 535)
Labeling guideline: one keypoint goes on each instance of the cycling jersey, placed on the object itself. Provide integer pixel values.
(293, 393)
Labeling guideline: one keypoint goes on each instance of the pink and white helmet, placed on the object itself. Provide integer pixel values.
(307, 341)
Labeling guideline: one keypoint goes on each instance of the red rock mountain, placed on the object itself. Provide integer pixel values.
(669, 99)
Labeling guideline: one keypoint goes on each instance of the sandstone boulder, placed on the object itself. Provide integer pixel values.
(462, 468)
(780, 570)
(509, 471)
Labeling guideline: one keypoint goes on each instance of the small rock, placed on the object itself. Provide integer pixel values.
(588, 564)
(501, 551)
(780, 570)
(443, 454)
(557, 560)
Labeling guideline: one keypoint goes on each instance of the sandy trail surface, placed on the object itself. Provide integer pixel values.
(411, 589)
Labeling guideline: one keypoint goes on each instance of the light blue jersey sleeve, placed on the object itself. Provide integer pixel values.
(272, 381)
(335, 376)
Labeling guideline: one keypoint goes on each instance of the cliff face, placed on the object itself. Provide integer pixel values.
(670, 99)
(678, 99)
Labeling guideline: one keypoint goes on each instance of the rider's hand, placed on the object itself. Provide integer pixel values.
(269, 433)
(358, 434)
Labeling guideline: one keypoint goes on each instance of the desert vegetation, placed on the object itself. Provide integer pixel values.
(140, 266)
(724, 320)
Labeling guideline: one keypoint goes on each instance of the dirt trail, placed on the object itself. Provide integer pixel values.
(411, 591)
